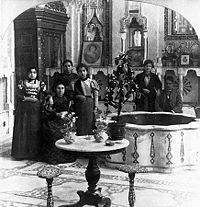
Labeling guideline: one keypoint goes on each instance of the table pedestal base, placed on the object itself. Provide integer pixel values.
(93, 195)
(95, 199)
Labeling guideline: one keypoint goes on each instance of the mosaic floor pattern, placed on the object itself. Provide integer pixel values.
(20, 186)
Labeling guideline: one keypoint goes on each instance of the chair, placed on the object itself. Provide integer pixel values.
(49, 172)
(131, 170)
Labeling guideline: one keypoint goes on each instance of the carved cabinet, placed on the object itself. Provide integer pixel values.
(40, 40)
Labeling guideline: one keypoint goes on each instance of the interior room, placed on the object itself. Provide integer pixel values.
(44, 33)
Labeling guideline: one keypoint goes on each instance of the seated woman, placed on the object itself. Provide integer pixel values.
(54, 126)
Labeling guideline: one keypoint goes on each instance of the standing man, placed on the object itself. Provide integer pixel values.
(170, 99)
(149, 84)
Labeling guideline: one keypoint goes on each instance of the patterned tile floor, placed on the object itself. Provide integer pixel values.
(20, 186)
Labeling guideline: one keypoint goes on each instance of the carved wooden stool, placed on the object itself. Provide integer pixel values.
(49, 172)
(131, 170)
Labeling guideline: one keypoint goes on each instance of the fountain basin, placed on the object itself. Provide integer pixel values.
(160, 141)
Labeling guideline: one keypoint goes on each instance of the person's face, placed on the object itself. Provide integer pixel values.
(92, 48)
(147, 68)
(32, 74)
(120, 62)
(91, 27)
(68, 68)
(60, 90)
(169, 49)
(168, 85)
(82, 72)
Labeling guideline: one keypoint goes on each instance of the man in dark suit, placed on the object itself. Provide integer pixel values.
(170, 99)
(149, 84)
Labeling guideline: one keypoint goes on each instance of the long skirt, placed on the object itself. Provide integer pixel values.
(53, 130)
(85, 122)
(26, 135)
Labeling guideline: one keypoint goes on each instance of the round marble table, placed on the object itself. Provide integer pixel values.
(88, 147)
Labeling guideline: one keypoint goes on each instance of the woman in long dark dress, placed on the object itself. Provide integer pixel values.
(86, 101)
(54, 127)
(27, 125)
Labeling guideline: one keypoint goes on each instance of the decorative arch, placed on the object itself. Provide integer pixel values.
(126, 21)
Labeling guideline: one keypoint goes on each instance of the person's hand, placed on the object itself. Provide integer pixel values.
(146, 91)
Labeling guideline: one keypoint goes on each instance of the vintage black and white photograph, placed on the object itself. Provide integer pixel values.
(92, 52)
(99, 103)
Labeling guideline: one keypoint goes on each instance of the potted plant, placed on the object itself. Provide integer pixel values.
(121, 87)
(101, 127)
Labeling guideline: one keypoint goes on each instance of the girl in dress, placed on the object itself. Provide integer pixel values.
(86, 101)
(54, 127)
(26, 134)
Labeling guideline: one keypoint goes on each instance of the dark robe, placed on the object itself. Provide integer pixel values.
(146, 102)
(53, 130)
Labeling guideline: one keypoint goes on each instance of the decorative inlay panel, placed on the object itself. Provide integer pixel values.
(135, 154)
(169, 154)
(152, 150)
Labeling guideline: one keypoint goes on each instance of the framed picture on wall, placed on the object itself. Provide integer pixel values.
(185, 60)
(92, 53)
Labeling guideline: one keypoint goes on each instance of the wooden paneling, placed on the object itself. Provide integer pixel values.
(39, 40)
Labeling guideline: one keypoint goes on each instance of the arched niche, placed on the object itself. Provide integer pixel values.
(133, 30)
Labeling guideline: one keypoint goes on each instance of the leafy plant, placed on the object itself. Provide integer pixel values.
(121, 85)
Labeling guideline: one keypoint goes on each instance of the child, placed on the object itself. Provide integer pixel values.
(26, 134)
(86, 101)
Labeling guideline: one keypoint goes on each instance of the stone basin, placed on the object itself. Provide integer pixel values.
(160, 141)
